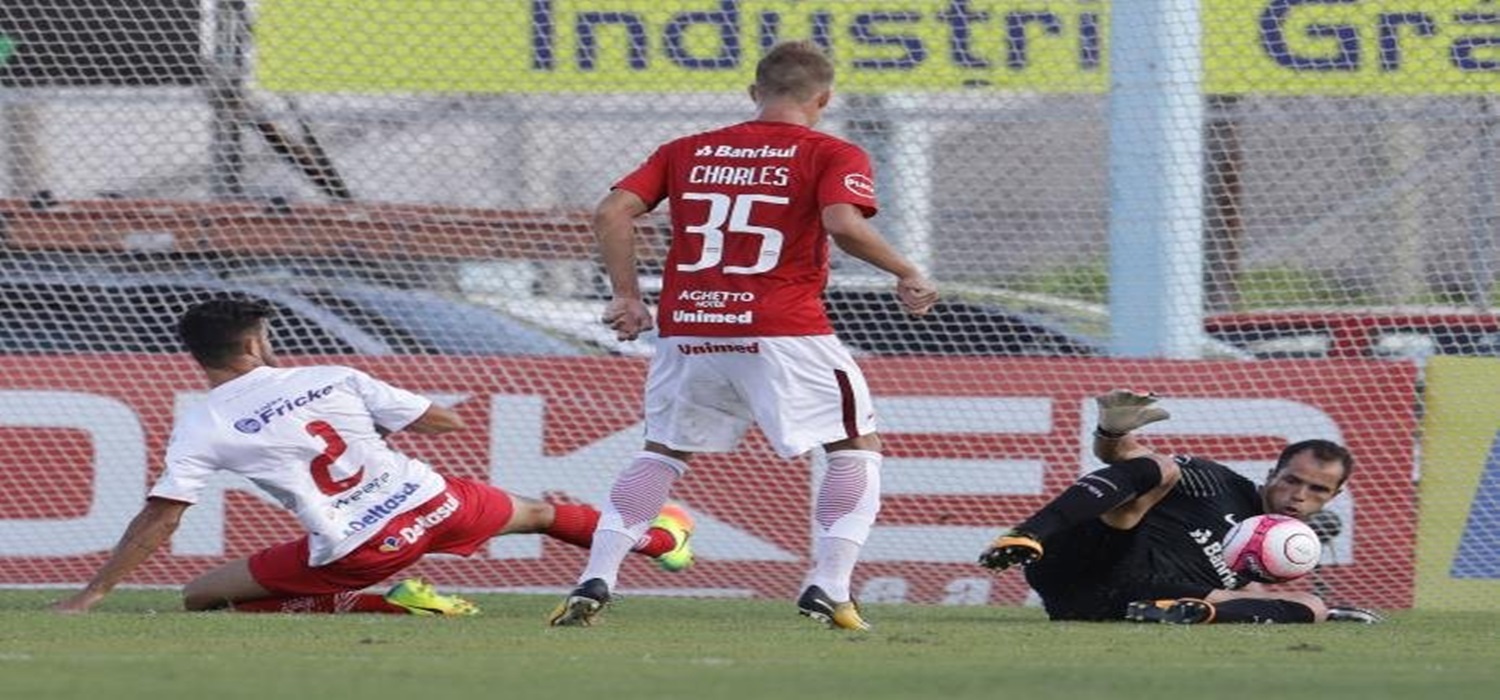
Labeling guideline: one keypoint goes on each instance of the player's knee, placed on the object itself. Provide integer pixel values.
(677, 459)
(196, 596)
(197, 604)
(869, 442)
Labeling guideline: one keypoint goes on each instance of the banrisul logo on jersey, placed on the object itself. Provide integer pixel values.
(746, 152)
(1214, 551)
(421, 523)
(277, 408)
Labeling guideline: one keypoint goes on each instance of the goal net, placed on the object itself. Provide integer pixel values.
(410, 185)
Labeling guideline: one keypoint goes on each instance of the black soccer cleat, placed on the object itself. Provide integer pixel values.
(1349, 613)
(581, 605)
(1009, 549)
(1171, 611)
(816, 604)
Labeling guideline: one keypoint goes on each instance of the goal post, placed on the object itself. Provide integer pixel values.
(1156, 180)
(1277, 215)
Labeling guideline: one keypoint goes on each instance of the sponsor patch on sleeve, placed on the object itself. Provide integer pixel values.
(860, 184)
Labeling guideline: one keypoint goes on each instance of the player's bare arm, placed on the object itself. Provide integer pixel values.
(854, 235)
(436, 420)
(614, 230)
(146, 533)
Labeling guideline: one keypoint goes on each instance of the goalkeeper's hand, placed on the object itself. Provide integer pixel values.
(1122, 410)
(628, 317)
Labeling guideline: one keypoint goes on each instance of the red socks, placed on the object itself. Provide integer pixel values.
(346, 602)
(575, 523)
(656, 542)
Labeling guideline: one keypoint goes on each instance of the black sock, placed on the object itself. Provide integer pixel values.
(1093, 495)
(1261, 610)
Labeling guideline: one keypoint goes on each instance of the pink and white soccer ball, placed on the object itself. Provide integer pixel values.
(1272, 548)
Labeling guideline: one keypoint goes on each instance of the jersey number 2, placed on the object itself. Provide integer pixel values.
(734, 211)
(322, 465)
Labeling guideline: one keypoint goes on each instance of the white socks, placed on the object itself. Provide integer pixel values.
(637, 496)
(847, 503)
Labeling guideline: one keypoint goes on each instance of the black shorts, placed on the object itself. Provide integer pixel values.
(1075, 576)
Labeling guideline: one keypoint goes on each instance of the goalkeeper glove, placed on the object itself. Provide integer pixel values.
(1122, 410)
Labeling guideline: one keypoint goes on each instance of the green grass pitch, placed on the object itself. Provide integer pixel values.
(137, 645)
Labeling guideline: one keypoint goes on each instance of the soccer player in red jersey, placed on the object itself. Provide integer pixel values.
(313, 439)
(743, 332)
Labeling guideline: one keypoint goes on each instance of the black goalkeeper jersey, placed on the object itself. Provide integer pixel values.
(1177, 548)
(1092, 571)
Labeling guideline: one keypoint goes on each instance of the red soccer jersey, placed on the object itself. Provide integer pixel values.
(749, 256)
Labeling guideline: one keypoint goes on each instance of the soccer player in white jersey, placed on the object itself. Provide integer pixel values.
(744, 335)
(313, 439)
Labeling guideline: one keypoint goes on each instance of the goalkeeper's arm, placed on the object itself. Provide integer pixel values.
(1121, 412)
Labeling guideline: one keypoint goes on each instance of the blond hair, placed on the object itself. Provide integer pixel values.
(796, 69)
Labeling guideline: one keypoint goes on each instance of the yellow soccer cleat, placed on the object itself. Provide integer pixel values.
(420, 598)
(816, 604)
(676, 520)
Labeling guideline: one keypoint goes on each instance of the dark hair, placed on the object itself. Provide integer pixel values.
(1323, 450)
(214, 330)
(797, 69)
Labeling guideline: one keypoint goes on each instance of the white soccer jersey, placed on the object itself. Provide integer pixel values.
(307, 437)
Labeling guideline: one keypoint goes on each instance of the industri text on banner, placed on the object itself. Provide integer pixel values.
(1053, 46)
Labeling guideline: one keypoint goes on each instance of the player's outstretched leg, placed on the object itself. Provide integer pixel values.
(679, 523)
(419, 598)
(1009, 549)
(816, 604)
(1172, 611)
(582, 605)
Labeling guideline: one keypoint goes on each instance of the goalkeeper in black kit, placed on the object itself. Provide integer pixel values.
(1139, 539)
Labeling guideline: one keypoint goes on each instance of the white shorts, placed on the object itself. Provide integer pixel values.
(803, 391)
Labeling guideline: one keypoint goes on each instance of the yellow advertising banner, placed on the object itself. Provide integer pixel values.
(1365, 47)
(1351, 47)
(671, 46)
(1458, 542)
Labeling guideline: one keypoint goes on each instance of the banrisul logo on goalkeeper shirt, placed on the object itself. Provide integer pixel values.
(279, 407)
(1214, 551)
